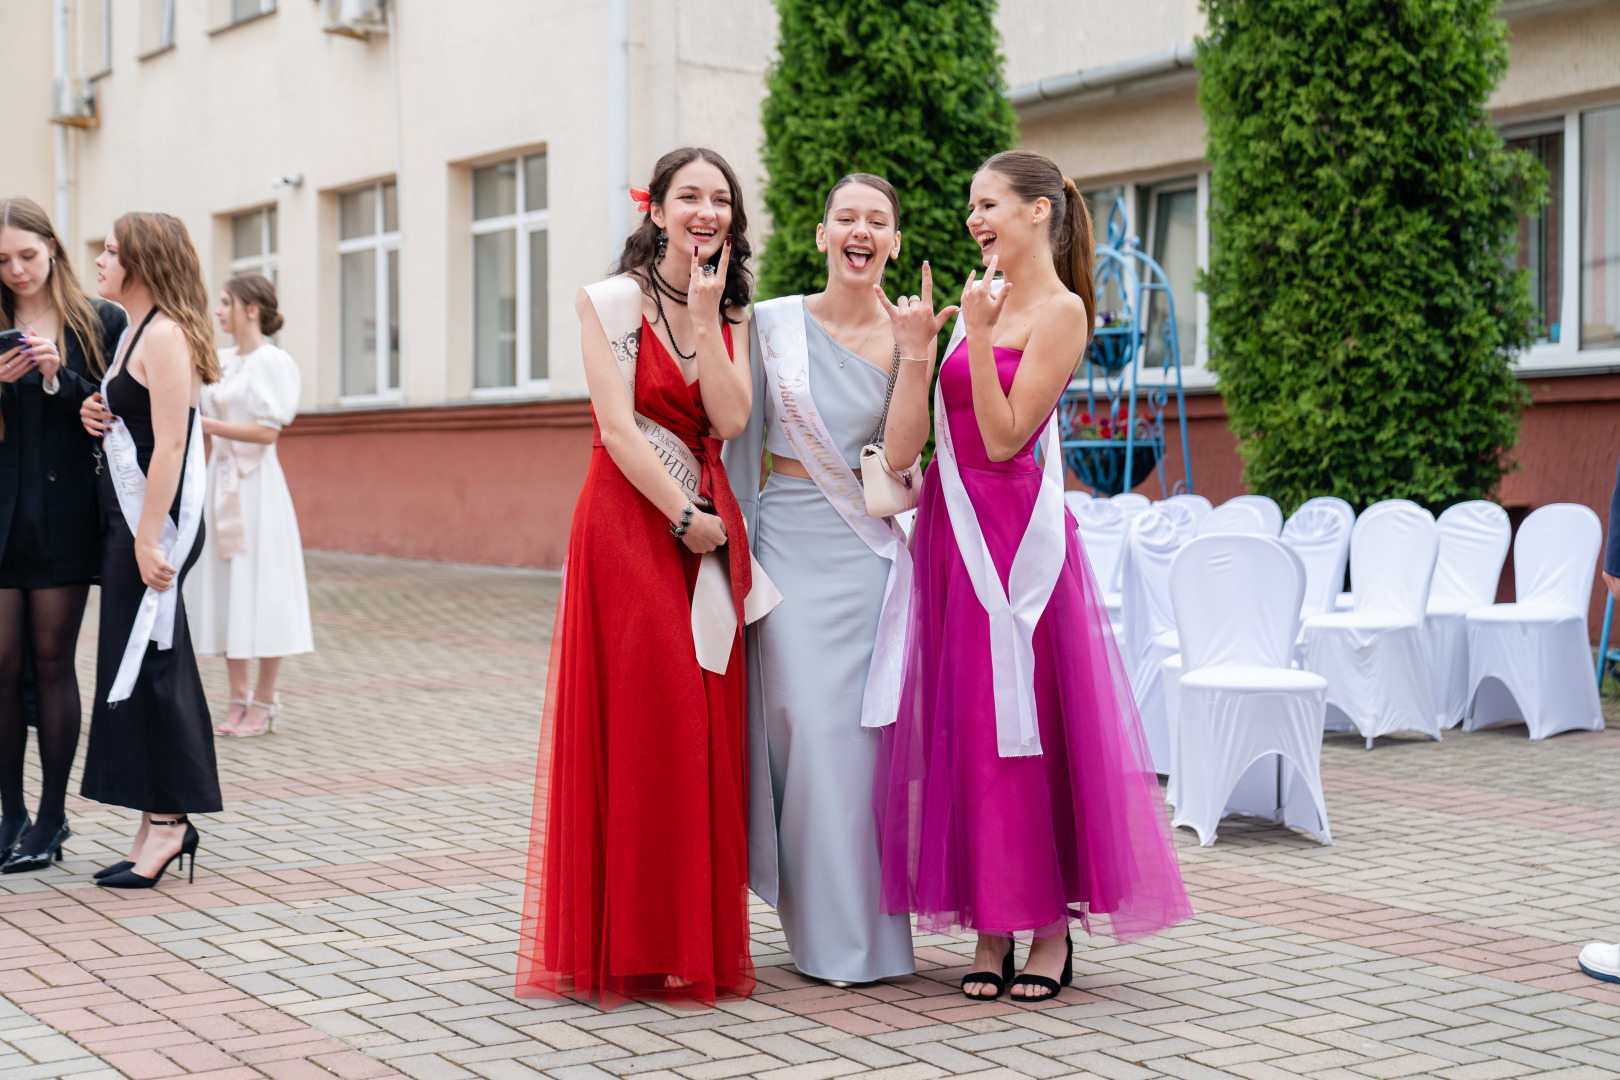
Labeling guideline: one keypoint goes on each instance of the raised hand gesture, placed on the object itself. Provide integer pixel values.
(916, 326)
(707, 287)
(981, 304)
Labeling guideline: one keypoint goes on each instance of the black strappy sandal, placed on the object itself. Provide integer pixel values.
(1051, 986)
(990, 977)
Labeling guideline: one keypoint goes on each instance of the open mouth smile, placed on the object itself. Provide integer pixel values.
(858, 256)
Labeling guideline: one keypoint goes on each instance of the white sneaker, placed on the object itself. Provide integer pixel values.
(1601, 960)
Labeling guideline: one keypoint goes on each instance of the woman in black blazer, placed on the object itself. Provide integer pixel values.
(50, 515)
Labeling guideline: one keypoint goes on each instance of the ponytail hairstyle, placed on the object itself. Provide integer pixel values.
(73, 308)
(155, 249)
(1074, 255)
(641, 248)
(256, 290)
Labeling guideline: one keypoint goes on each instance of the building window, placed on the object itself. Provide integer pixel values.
(1172, 241)
(1600, 229)
(253, 243)
(157, 26)
(509, 248)
(242, 10)
(368, 274)
(1540, 247)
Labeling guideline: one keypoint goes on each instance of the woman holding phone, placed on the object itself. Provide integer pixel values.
(151, 742)
(54, 344)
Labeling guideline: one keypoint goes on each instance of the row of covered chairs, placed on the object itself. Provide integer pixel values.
(1398, 659)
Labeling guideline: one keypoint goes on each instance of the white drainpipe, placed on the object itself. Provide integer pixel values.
(64, 179)
(618, 125)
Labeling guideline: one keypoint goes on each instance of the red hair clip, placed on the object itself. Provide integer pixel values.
(643, 199)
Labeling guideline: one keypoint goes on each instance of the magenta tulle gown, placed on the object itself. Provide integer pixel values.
(1011, 845)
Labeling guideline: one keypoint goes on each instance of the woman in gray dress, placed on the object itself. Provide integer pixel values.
(824, 666)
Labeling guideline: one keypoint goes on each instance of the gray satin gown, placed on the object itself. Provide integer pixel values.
(812, 836)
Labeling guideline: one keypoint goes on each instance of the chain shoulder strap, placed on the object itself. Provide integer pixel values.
(888, 396)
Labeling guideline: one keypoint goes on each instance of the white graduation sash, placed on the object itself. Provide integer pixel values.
(1013, 611)
(714, 617)
(780, 323)
(154, 619)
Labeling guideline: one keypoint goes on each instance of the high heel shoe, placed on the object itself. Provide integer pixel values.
(226, 727)
(21, 863)
(192, 837)
(10, 833)
(990, 978)
(271, 708)
(129, 879)
(1051, 986)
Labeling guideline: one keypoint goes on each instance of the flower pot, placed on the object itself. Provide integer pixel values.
(1101, 466)
(1110, 348)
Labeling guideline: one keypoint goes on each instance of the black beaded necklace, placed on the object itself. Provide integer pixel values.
(663, 288)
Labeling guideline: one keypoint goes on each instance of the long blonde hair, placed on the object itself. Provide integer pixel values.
(73, 308)
(156, 250)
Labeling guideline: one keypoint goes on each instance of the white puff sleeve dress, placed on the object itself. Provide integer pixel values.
(247, 596)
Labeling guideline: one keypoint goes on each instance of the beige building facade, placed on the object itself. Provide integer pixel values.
(429, 184)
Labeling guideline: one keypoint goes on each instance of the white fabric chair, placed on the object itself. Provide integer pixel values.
(1075, 498)
(1320, 536)
(1102, 537)
(1373, 658)
(1150, 546)
(1347, 600)
(1270, 513)
(1130, 504)
(1474, 538)
(1337, 505)
(1530, 660)
(1230, 518)
(1199, 505)
(1241, 710)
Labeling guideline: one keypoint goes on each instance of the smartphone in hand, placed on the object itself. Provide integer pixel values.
(12, 339)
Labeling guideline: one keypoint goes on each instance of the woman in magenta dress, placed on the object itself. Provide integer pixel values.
(1018, 792)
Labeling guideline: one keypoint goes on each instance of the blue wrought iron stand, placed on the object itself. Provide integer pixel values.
(1134, 281)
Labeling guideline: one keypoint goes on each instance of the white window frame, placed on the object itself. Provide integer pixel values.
(382, 243)
(267, 262)
(525, 223)
(1566, 356)
(265, 8)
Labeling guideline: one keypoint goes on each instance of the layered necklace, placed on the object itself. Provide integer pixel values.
(662, 288)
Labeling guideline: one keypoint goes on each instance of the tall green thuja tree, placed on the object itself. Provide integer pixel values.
(1362, 307)
(908, 89)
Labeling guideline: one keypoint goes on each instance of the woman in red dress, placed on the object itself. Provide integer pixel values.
(638, 850)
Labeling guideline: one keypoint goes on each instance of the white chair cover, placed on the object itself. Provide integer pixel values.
(1474, 538)
(1130, 504)
(1530, 661)
(1237, 600)
(1374, 658)
(1270, 513)
(1200, 506)
(1230, 518)
(1071, 499)
(1102, 537)
(1347, 600)
(1337, 505)
(1182, 515)
(1320, 536)
(1145, 595)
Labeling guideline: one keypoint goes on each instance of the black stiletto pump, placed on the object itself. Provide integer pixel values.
(10, 833)
(129, 879)
(192, 836)
(20, 863)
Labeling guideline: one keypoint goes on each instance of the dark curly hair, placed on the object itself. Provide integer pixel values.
(641, 249)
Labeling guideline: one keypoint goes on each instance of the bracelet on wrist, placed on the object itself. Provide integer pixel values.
(679, 528)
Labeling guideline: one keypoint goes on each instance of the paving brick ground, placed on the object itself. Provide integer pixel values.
(354, 917)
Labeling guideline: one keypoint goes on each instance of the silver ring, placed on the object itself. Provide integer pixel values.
(707, 269)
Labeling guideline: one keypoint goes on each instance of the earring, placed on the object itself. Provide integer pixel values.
(663, 242)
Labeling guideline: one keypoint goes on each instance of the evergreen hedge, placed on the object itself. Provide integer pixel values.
(908, 89)
(1362, 308)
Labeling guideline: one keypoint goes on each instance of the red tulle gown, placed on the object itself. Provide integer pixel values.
(638, 851)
